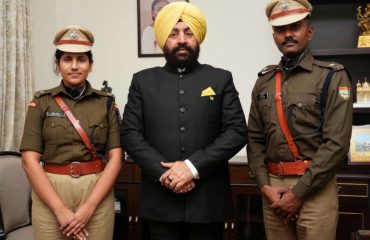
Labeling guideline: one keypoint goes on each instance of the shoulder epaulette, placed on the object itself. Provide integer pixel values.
(267, 69)
(40, 93)
(103, 93)
(332, 65)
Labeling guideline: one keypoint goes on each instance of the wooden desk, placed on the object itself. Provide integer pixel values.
(247, 223)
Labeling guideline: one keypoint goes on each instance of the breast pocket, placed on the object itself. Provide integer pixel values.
(98, 131)
(209, 109)
(54, 130)
(303, 113)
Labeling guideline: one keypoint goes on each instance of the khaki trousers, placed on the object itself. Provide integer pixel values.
(73, 192)
(318, 216)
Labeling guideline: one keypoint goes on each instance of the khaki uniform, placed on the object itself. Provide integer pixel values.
(326, 146)
(48, 131)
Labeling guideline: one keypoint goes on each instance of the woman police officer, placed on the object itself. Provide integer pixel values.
(73, 189)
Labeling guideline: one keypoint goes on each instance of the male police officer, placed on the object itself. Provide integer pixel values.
(299, 130)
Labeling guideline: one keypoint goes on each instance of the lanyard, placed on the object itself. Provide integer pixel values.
(282, 120)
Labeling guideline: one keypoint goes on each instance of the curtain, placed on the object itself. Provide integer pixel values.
(16, 78)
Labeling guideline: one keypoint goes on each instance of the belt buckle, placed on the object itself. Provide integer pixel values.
(281, 170)
(72, 174)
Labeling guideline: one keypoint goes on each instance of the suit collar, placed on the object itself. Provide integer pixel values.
(173, 69)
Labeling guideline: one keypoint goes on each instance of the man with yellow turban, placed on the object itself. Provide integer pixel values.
(181, 124)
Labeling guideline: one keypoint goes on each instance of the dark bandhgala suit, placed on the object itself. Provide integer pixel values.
(167, 119)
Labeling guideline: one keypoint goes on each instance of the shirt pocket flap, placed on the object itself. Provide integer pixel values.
(301, 100)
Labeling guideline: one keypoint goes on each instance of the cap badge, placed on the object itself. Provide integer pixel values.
(283, 5)
(73, 35)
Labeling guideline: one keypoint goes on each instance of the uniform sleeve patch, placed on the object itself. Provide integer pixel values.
(32, 104)
(344, 92)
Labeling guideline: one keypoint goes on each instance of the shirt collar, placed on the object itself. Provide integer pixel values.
(62, 90)
(305, 62)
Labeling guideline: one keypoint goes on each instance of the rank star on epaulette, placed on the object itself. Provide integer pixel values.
(263, 71)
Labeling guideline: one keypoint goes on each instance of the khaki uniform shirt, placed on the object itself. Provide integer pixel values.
(301, 91)
(48, 131)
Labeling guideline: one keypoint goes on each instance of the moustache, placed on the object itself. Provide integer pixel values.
(289, 40)
(181, 47)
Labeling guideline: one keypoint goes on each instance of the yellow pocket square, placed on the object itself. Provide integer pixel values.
(208, 92)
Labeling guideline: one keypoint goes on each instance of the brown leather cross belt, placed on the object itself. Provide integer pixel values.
(76, 169)
(288, 168)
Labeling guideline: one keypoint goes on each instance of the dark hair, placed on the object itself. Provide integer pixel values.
(58, 54)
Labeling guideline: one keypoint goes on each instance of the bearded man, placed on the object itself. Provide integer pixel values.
(181, 124)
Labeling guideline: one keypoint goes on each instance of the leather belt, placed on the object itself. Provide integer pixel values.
(288, 168)
(76, 169)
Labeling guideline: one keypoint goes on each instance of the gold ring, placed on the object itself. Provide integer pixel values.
(189, 186)
(169, 178)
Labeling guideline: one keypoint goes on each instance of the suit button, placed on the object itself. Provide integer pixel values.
(182, 129)
(183, 149)
(181, 91)
(181, 76)
(182, 109)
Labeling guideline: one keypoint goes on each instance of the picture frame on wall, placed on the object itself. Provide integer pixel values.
(359, 153)
(146, 13)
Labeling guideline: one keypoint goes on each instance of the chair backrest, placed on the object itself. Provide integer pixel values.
(14, 192)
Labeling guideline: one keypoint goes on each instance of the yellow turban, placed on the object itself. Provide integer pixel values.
(170, 15)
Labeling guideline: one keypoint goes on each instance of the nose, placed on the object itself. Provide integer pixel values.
(74, 64)
(288, 32)
(181, 38)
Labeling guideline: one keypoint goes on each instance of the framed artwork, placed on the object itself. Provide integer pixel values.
(359, 152)
(147, 10)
